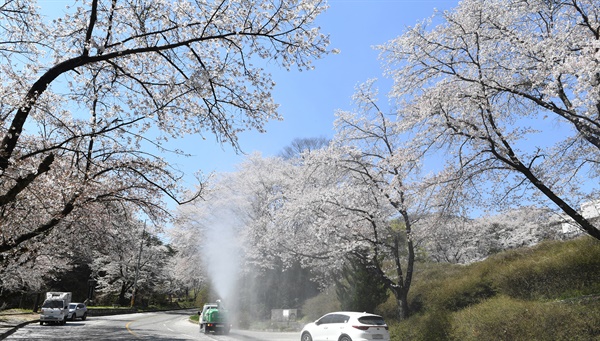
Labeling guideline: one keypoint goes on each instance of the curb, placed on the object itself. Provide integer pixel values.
(13, 329)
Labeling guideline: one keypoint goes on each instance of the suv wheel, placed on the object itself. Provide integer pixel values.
(306, 337)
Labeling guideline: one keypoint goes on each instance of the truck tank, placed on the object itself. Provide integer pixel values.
(214, 318)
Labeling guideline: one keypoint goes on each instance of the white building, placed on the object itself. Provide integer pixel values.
(589, 210)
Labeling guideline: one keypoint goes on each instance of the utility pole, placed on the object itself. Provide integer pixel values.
(137, 268)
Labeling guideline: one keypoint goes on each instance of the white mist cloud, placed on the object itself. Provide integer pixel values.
(222, 252)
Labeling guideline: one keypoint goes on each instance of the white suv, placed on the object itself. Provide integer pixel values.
(346, 326)
(77, 310)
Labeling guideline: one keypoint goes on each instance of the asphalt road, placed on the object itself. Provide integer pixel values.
(171, 325)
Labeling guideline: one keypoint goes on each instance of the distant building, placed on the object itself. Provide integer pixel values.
(589, 210)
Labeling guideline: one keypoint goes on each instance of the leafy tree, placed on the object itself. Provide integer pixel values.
(96, 93)
(490, 83)
(303, 145)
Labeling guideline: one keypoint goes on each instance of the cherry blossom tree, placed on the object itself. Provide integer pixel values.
(332, 211)
(92, 97)
(20, 21)
(447, 238)
(233, 224)
(384, 179)
(46, 218)
(278, 229)
(509, 91)
(360, 196)
(31, 266)
(186, 237)
(133, 262)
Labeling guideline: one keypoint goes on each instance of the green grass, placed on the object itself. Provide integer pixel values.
(547, 292)
(504, 318)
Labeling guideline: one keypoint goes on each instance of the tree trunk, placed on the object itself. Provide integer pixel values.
(402, 301)
(36, 304)
(122, 299)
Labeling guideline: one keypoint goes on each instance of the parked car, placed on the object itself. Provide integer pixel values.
(346, 326)
(77, 310)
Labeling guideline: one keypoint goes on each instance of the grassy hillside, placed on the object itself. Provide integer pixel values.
(547, 292)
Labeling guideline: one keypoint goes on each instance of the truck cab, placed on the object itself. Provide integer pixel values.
(55, 308)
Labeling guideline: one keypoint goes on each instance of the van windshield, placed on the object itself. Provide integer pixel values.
(52, 304)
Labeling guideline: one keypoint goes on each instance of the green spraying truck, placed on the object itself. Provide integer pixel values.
(213, 318)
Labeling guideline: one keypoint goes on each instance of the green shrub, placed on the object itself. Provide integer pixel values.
(513, 295)
(462, 293)
(555, 270)
(437, 325)
(452, 292)
(388, 309)
(320, 305)
(407, 330)
(504, 318)
(202, 296)
(357, 289)
(434, 325)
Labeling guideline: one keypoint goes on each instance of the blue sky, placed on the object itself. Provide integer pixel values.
(308, 100)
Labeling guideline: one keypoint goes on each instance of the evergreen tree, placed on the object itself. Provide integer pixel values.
(358, 289)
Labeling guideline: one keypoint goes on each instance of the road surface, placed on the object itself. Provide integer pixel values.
(171, 325)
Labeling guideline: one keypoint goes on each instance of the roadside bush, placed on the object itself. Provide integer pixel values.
(513, 295)
(324, 303)
(202, 296)
(555, 270)
(388, 309)
(452, 292)
(461, 293)
(505, 318)
(433, 325)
